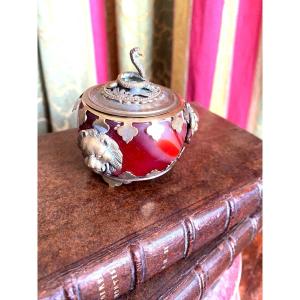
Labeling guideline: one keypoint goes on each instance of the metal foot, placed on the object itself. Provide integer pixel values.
(111, 182)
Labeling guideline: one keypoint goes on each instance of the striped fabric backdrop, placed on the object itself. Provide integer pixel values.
(207, 50)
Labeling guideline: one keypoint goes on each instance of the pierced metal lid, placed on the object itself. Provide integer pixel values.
(132, 95)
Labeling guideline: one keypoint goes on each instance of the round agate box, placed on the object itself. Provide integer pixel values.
(131, 129)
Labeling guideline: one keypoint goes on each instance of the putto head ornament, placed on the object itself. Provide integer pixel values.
(131, 129)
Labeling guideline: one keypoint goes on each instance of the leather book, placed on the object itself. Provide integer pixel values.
(96, 242)
(193, 277)
(227, 286)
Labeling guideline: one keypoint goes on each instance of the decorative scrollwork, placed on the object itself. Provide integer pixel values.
(177, 122)
(127, 131)
(101, 126)
(192, 120)
(82, 117)
(132, 87)
(101, 153)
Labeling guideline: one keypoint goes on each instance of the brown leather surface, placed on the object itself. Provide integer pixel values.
(251, 280)
(79, 215)
(192, 277)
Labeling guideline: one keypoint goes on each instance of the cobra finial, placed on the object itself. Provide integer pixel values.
(135, 53)
(132, 87)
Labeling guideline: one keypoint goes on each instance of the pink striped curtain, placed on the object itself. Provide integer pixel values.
(207, 20)
(244, 61)
(98, 19)
(207, 50)
(205, 31)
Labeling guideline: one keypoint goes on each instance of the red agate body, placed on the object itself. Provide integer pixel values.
(131, 129)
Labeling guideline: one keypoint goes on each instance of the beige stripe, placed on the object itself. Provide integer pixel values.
(180, 51)
(67, 56)
(254, 120)
(221, 82)
(134, 20)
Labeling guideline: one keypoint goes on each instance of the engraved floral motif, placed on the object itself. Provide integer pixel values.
(127, 175)
(76, 104)
(112, 182)
(81, 116)
(177, 123)
(101, 126)
(101, 153)
(127, 132)
(155, 130)
(153, 173)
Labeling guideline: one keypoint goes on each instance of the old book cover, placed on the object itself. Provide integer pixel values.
(92, 236)
(194, 277)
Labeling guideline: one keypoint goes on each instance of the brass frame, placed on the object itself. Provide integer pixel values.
(116, 181)
(139, 119)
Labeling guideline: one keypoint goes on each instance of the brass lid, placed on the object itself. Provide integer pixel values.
(132, 95)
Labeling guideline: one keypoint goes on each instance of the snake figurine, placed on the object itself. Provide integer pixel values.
(132, 87)
(132, 80)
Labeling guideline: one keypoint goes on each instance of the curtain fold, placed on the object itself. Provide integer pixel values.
(205, 32)
(43, 117)
(222, 73)
(97, 9)
(244, 60)
(134, 19)
(205, 50)
(67, 56)
(255, 113)
(162, 42)
(112, 45)
(180, 49)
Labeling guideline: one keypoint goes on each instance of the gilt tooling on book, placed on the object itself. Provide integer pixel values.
(97, 242)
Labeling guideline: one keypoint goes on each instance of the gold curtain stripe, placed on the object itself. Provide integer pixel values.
(162, 42)
(111, 33)
(134, 19)
(222, 75)
(180, 52)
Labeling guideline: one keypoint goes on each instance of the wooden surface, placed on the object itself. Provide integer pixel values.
(79, 216)
(251, 281)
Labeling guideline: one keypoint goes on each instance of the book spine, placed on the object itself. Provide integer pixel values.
(195, 282)
(112, 275)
